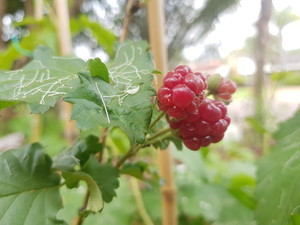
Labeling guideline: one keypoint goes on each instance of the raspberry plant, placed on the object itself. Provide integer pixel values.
(116, 95)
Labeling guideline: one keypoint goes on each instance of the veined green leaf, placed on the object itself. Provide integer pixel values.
(98, 69)
(278, 178)
(29, 189)
(124, 103)
(78, 154)
(106, 177)
(42, 82)
(95, 202)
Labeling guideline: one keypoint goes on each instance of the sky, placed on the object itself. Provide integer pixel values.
(235, 27)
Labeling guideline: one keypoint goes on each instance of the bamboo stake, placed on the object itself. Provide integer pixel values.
(36, 129)
(156, 32)
(65, 48)
(38, 9)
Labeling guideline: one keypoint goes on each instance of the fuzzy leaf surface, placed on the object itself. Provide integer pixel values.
(95, 202)
(78, 154)
(124, 103)
(278, 178)
(41, 82)
(28, 188)
(106, 177)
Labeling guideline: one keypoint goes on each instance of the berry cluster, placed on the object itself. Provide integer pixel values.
(225, 89)
(197, 120)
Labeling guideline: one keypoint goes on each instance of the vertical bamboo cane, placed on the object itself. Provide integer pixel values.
(156, 32)
(37, 120)
(65, 48)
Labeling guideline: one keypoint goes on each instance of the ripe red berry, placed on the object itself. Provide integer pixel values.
(195, 83)
(193, 143)
(183, 70)
(192, 117)
(172, 79)
(176, 112)
(164, 95)
(222, 107)
(209, 111)
(216, 139)
(187, 130)
(219, 127)
(174, 123)
(205, 141)
(203, 128)
(182, 96)
(203, 78)
(226, 86)
(197, 120)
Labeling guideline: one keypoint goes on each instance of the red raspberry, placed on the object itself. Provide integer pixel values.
(187, 130)
(225, 89)
(195, 83)
(224, 96)
(176, 112)
(203, 78)
(192, 117)
(203, 128)
(216, 139)
(226, 86)
(198, 121)
(183, 70)
(222, 107)
(219, 127)
(172, 79)
(205, 141)
(193, 143)
(227, 118)
(165, 96)
(182, 96)
(162, 107)
(209, 111)
(174, 123)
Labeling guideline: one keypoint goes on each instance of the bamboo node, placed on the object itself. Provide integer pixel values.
(169, 193)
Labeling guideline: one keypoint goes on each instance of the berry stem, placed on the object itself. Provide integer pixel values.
(157, 137)
(158, 134)
(159, 116)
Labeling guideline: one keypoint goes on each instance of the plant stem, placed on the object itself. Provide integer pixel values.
(102, 140)
(80, 218)
(126, 20)
(159, 116)
(139, 201)
(159, 133)
(157, 140)
(150, 140)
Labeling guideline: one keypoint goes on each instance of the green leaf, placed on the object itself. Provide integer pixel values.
(157, 72)
(106, 177)
(29, 189)
(106, 39)
(98, 69)
(41, 82)
(135, 169)
(4, 104)
(95, 202)
(256, 125)
(278, 177)
(78, 154)
(124, 103)
(287, 135)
